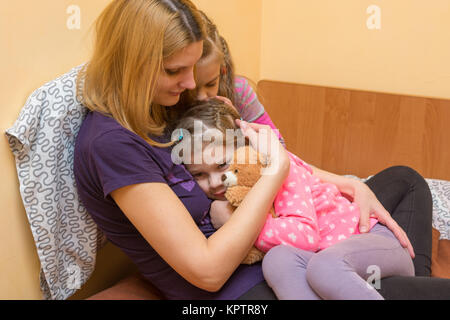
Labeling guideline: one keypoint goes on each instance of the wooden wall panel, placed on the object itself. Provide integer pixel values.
(361, 133)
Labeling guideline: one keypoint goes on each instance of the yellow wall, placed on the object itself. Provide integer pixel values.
(37, 46)
(327, 42)
(239, 22)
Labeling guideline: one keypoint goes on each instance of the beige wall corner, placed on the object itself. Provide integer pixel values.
(19, 264)
(37, 46)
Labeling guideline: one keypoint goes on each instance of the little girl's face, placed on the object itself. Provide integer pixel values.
(207, 77)
(209, 176)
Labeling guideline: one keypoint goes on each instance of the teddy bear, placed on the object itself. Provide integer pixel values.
(242, 174)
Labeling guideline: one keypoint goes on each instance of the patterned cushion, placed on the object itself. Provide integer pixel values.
(440, 190)
(43, 140)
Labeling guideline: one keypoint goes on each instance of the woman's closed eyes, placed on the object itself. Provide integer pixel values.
(172, 72)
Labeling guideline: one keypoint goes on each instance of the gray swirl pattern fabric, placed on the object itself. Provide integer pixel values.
(440, 190)
(43, 140)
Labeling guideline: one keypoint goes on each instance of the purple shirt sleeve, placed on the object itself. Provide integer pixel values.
(119, 164)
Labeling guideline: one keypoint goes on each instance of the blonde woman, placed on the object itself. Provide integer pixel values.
(144, 58)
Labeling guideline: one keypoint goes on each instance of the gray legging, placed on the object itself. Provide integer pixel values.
(405, 194)
(340, 271)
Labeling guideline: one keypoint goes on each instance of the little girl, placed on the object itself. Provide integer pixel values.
(313, 216)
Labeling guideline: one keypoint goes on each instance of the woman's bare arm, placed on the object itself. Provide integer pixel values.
(161, 218)
(164, 222)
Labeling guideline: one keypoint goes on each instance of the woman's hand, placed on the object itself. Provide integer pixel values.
(370, 207)
(265, 141)
(220, 212)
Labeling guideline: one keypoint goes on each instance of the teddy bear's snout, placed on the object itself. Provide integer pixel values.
(229, 179)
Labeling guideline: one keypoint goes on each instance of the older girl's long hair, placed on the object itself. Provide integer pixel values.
(214, 47)
(133, 37)
(216, 44)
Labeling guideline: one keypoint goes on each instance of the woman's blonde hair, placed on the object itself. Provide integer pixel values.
(132, 39)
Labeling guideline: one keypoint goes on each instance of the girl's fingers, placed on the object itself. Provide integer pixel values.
(401, 236)
(255, 126)
(262, 139)
(364, 220)
(249, 132)
(378, 211)
(362, 201)
(385, 218)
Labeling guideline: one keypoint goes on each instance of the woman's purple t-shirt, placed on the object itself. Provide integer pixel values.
(108, 157)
